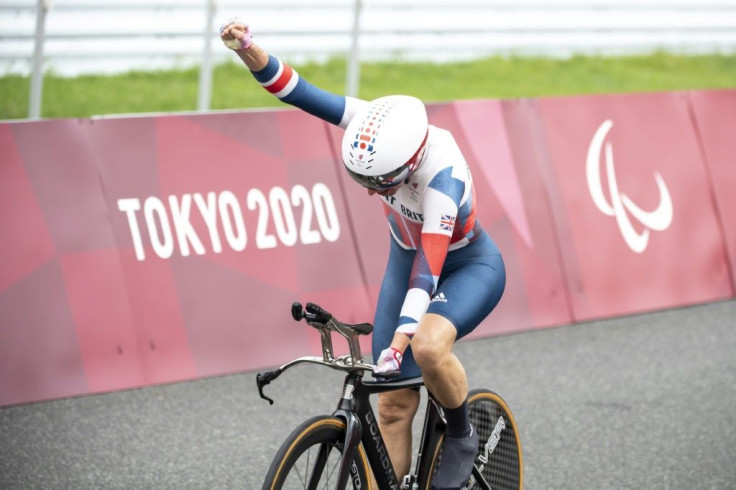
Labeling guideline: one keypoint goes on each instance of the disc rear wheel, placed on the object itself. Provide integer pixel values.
(499, 447)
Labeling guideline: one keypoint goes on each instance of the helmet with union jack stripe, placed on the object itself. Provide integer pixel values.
(385, 142)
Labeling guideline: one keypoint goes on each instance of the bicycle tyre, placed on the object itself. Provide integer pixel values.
(428, 470)
(499, 446)
(294, 464)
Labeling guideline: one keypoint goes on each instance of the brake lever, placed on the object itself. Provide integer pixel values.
(265, 377)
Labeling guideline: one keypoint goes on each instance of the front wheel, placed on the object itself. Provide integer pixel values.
(310, 458)
(499, 448)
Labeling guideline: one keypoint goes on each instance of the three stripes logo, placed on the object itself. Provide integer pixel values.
(439, 298)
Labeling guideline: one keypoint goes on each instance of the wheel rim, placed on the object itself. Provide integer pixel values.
(313, 459)
(316, 468)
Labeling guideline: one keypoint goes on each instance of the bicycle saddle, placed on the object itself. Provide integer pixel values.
(359, 328)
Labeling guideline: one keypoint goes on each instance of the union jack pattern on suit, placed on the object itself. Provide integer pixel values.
(447, 222)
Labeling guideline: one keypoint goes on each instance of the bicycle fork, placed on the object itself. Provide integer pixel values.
(354, 408)
(353, 434)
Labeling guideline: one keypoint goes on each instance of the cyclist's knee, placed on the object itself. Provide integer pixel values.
(397, 406)
(433, 341)
(425, 353)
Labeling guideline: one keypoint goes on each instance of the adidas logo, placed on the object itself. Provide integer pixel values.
(440, 298)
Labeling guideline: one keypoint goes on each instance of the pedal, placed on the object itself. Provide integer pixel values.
(409, 483)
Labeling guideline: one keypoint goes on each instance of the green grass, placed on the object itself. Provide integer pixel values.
(497, 77)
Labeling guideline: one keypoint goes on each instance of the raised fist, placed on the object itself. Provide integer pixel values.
(236, 35)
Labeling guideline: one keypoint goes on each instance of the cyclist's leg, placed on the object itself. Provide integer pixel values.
(396, 409)
(445, 377)
(469, 292)
(443, 373)
(470, 287)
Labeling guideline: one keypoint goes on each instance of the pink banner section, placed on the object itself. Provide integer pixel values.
(245, 218)
(715, 119)
(150, 250)
(139, 251)
(631, 197)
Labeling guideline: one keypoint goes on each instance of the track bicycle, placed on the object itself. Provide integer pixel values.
(343, 449)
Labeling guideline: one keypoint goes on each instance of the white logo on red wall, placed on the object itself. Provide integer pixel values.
(618, 204)
(186, 222)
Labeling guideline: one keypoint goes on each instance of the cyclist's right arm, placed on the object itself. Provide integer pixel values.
(284, 82)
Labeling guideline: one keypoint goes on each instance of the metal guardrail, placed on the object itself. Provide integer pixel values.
(376, 28)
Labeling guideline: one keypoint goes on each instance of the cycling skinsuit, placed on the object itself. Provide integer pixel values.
(441, 261)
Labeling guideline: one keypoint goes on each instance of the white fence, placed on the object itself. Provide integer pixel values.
(76, 36)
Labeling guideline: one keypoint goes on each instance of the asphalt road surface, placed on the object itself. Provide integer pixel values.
(646, 401)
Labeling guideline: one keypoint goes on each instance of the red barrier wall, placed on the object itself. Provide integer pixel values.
(631, 197)
(715, 118)
(147, 250)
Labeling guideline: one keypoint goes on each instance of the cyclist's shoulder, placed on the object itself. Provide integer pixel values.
(440, 136)
(444, 159)
(443, 150)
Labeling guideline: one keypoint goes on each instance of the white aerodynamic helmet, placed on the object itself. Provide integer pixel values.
(384, 143)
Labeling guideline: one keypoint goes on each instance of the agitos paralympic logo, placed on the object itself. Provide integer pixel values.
(618, 204)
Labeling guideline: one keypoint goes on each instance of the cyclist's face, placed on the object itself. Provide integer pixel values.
(385, 192)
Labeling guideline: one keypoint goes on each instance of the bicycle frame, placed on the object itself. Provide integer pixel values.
(362, 426)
